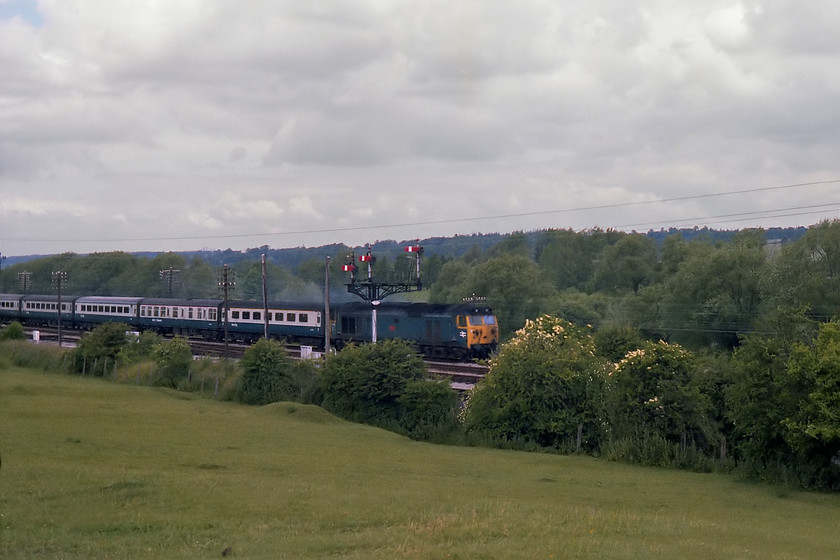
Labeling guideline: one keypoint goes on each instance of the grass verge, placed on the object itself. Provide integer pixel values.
(93, 469)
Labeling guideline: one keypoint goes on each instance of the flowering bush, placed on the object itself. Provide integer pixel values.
(545, 387)
(654, 395)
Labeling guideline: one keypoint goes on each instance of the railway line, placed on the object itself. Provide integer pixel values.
(463, 375)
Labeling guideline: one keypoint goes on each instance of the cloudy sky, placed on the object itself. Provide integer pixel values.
(188, 124)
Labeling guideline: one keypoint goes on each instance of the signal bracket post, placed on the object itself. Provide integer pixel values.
(374, 292)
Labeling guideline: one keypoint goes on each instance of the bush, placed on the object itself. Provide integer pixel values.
(99, 347)
(270, 375)
(365, 383)
(655, 404)
(429, 410)
(13, 331)
(174, 358)
(140, 347)
(545, 388)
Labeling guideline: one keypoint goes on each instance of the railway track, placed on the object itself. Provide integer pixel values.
(462, 375)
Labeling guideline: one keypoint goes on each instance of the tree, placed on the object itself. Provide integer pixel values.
(269, 375)
(514, 286)
(758, 396)
(429, 410)
(99, 346)
(715, 295)
(174, 358)
(813, 428)
(654, 396)
(627, 264)
(806, 273)
(365, 383)
(545, 388)
(565, 258)
(13, 331)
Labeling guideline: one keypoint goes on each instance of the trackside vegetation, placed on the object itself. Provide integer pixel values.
(700, 350)
(96, 469)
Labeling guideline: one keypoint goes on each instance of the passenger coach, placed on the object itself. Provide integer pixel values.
(92, 311)
(184, 317)
(291, 321)
(43, 310)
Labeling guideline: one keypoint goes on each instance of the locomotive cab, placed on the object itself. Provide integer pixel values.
(481, 333)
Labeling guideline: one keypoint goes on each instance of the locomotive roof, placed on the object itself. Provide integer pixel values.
(411, 308)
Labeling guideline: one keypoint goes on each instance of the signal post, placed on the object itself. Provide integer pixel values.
(373, 291)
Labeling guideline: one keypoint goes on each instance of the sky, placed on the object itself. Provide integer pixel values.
(170, 125)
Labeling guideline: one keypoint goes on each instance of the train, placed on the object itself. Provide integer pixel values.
(462, 331)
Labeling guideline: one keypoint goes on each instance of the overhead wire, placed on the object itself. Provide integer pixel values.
(483, 218)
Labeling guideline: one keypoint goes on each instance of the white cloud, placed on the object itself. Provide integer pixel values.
(218, 118)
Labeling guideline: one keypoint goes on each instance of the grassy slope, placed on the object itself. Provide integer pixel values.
(93, 469)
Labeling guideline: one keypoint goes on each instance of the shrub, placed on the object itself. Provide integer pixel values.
(429, 410)
(13, 331)
(99, 347)
(270, 375)
(545, 388)
(655, 402)
(365, 383)
(174, 358)
(140, 347)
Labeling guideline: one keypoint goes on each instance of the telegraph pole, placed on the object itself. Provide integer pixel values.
(327, 324)
(265, 295)
(59, 278)
(168, 278)
(24, 279)
(373, 291)
(226, 283)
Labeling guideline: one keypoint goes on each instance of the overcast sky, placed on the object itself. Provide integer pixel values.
(188, 124)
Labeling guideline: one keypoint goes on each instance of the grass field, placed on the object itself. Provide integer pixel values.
(95, 469)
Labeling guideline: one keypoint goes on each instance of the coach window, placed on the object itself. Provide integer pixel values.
(257, 315)
(290, 317)
(211, 314)
(304, 317)
(246, 314)
(234, 314)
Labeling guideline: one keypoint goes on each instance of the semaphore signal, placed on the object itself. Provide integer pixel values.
(373, 291)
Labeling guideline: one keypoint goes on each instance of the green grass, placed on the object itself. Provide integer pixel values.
(95, 469)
